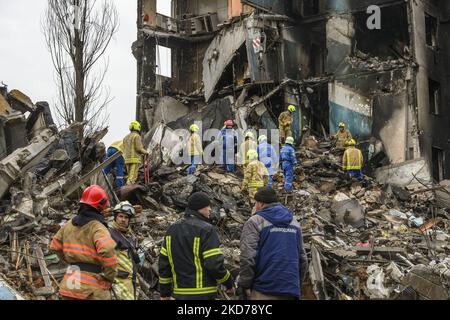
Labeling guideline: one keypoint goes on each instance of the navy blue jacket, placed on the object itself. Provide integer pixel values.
(273, 259)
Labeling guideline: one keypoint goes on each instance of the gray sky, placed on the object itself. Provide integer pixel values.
(25, 63)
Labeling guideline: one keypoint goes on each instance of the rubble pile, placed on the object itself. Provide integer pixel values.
(364, 240)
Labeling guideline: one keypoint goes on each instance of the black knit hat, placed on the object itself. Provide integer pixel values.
(198, 200)
(266, 195)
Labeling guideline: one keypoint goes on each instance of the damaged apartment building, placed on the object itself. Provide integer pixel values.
(210, 60)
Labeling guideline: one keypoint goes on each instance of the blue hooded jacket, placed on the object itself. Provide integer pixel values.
(268, 156)
(278, 257)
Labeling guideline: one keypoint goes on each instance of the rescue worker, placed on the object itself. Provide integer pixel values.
(268, 156)
(352, 161)
(248, 144)
(273, 260)
(118, 164)
(228, 139)
(256, 175)
(285, 123)
(133, 151)
(195, 148)
(191, 263)
(342, 136)
(127, 245)
(86, 245)
(288, 163)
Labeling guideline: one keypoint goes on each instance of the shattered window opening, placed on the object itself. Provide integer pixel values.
(434, 97)
(431, 26)
(163, 61)
(438, 160)
(164, 7)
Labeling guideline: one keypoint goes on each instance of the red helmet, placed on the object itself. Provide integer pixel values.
(96, 197)
(229, 123)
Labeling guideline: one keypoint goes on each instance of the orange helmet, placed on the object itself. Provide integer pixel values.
(95, 197)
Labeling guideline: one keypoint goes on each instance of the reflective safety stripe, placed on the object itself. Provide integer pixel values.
(56, 245)
(169, 255)
(122, 291)
(87, 279)
(348, 166)
(256, 184)
(195, 291)
(124, 262)
(165, 280)
(198, 265)
(212, 252)
(163, 251)
(225, 278)
(74, 295)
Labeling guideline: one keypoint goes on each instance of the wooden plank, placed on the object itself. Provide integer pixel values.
(390, 251)
(43, 267)
(94, 171)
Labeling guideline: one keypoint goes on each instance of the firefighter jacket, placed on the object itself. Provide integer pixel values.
(191, 264)
(117, 145)
(285, 119)
(255, 176)
(194, 145)
(342, 138)
(133, 148)
(86, 245)
(128, 261)
(246, 146)
(352, 159)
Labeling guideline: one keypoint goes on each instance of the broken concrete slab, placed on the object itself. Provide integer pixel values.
(349, 212)
(219, 54)
(168, 110)
(402, 175)
(20, 160)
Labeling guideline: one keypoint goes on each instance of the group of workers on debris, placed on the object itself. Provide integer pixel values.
(103, 260)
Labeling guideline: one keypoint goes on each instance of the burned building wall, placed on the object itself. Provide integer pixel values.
(433, 112)
(372, 89)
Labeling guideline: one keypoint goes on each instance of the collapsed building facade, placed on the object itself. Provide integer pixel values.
(249, 59)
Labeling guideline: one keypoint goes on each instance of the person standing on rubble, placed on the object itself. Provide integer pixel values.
(229, 140)
(285, 123)
(267, 155)
(127, 245)
(246, 146)
(256, 175)
(288, 163)
(352, 161)
(195, 148)
(191, 264)
(133, 151)
(273, 261)
(118, 164)
(86, 245)
(342, 136)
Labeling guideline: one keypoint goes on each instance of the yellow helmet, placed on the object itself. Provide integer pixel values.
(250, 135)
(292, 108)
(262, 138)
(341, 125)
(290, 140)
(351, 142)
(135, 125)
(252, 154)
(194, 128)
